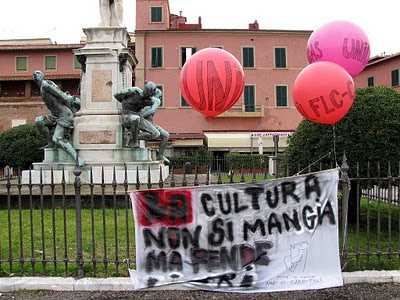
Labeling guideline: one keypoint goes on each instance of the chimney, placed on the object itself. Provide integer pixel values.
(254, 26)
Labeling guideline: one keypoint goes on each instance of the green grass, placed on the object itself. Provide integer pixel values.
(359, 241)
(45, 247)
(369, 237)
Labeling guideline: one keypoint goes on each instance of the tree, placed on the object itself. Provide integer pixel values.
(20, 146)
(370, 132)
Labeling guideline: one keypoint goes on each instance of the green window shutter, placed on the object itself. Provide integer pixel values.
(153, 57)
(50, 62)
(248, 57)
(280, 57)
(371, 81)
(395, 77)
(159, 57)
(249, 98)
(22, 63)
(156, 14)
(156, 57)
(281, 95)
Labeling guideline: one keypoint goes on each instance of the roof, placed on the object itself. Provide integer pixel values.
(55, 76)
(379, 59)
(260, 31)
(39, 47)
(26, 41)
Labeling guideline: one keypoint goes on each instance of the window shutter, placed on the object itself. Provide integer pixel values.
(156, 14)
(395, 77)
(50, 63)
(159, 57)
(156, 57)
(22, 63)
(370, 81)
(248, 57)
(249, 98)
(280, 57)
(281, 96)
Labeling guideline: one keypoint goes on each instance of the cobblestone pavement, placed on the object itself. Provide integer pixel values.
(355, 291)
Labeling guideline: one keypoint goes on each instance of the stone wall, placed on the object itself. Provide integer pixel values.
(20, 111)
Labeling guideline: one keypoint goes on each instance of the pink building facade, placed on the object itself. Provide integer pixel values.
(271, 59)
(163, 41)
(20, 102)
(381, 70)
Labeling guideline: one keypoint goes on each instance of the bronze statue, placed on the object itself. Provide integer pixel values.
(132, 104)
(111, 12)
(148, 113)
(63, 108)
(138, 109)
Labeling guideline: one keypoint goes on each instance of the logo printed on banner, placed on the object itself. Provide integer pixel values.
(171, 208)
(265, 236)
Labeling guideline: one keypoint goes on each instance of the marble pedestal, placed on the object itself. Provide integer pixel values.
(126, 163)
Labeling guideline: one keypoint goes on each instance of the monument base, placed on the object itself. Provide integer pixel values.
(120, 164)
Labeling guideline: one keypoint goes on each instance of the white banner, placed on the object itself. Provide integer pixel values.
(269, 236)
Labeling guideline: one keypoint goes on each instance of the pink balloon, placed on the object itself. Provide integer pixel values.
(340, 42)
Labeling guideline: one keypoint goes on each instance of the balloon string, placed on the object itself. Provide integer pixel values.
(310, 165)
(334, 144)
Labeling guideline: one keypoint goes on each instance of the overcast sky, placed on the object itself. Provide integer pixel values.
(63, 20)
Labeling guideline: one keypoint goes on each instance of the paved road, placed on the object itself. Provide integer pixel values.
(356, 291)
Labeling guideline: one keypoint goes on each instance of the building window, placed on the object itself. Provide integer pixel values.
(156, 57)
(280, 58)
(156, 14)
(22, 63)
(186, 52)
(13, 88)
(371, 81)
(248, 57)
(183, 102)
(249, 98)
(50, 62)
(281, 96)
(395, 77)
(161, 88)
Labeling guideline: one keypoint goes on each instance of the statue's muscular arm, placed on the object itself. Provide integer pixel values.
(54, 90)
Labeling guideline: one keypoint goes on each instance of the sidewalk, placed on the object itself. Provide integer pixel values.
(121, 284)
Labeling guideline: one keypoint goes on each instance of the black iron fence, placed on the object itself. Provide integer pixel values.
(87, 229)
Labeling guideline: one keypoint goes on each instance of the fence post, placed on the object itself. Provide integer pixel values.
(345, 205)
(78, 205)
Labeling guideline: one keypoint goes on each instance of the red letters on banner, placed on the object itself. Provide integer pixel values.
(165, 208)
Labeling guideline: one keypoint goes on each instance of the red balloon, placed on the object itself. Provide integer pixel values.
(323, 92)
(211, 81)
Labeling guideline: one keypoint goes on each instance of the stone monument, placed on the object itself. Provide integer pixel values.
(98, 136)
